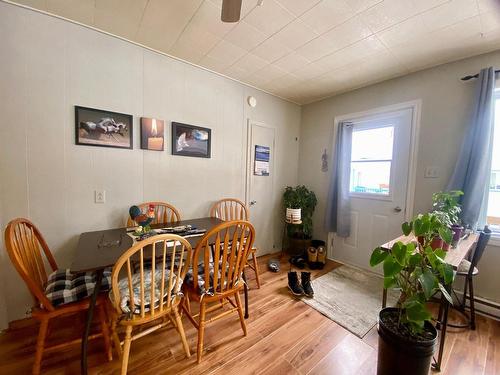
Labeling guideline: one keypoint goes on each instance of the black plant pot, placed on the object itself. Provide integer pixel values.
(398, 354)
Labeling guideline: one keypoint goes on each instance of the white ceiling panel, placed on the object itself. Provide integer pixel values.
(302, 50)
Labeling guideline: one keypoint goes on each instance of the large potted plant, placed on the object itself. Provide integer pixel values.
(300, 234)
(445, 204)
(407, 339)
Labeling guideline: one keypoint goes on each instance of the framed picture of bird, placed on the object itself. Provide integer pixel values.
(96, 127)
(189, 140)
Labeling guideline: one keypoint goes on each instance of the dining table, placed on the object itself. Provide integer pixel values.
(454, 256)
(98, 250)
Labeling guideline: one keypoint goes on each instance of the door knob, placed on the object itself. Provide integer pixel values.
(252, 203)
(398, 209)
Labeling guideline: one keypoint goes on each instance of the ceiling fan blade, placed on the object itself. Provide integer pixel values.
(231, 10)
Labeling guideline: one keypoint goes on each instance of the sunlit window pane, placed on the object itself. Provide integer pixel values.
(494, 194)
(372, 144)
(370, 177)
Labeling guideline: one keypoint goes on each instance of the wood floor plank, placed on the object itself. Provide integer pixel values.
(308, 353)
(345, 359)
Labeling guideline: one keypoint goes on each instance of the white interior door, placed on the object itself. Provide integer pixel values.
(381, 150)
(259, 197)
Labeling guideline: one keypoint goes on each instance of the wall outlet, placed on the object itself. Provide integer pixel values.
(100, 196)
(431, 172)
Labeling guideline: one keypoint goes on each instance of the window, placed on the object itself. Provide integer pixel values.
(493, 212)
(371, 160)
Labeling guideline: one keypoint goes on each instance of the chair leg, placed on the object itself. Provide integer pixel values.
(40, 344)
(472, 309)
(464, 296)
(180, 329)
(126, 349)
(201, 331)
(105, 332)
(256, 269)
(240, 313)
(116, 340)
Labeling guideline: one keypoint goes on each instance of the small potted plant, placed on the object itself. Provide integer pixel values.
(407, 339)
(300, 232)
(446, 206)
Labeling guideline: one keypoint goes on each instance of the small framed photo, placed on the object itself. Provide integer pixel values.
(96, 127)
(152, 134)
(189, 140)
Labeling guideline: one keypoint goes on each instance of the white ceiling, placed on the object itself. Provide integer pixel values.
(301, 50)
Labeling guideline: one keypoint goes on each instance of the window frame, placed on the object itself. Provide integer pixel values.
(495, 230)
(377, 123)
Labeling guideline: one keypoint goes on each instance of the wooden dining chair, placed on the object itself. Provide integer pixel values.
(152, 292)
(31, 257)
(217, 275)
(165, 213)
(233, 209)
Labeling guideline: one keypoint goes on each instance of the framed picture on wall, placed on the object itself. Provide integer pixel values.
(189, 140)
(152, 134)
(96, 127)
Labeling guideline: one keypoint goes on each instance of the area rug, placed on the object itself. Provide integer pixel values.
(350, 297)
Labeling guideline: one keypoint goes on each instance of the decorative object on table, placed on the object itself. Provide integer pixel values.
(165, 213)
(299, 234)
(350, 297)
(33, 260)
(418, 271)
(324, 162)
(95, 127)
(152, 134)
(261, 160)
(189, 140)
(144, 219)
(446, 206)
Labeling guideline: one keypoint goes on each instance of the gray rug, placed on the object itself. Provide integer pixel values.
(350, 297)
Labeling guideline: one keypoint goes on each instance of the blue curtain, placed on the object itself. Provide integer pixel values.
(473, 169)
(338, 209)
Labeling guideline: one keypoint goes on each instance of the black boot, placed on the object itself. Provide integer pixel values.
(306, 284)
(294, 285)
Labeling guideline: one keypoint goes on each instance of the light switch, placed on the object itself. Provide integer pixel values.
(100, 196)
(431, 172)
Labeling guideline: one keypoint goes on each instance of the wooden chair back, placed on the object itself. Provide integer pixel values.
(229, 244)
(162, 253)
(165, 213)
(229, 209)
(30, 255)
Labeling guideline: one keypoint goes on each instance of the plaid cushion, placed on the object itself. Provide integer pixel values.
(66, 287)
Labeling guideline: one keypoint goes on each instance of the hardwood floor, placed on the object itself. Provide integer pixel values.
(285, 336)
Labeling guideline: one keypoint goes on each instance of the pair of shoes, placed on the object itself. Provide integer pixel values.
(302, 288)
(298, 261)
(316, 257)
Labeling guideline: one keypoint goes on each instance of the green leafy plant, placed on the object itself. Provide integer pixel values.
(416, 269)
(445, 204)
(300, 197)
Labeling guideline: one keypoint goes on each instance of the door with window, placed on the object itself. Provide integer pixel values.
(379, 172)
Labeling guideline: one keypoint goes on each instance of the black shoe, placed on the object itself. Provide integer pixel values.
(306, 284)
(294, 285)
(298, 261)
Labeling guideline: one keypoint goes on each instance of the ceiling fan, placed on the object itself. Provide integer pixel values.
(231, 10)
